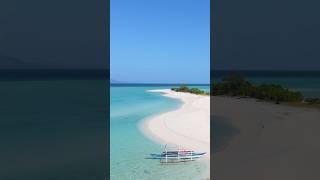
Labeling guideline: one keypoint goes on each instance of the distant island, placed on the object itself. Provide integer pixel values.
(237, 85)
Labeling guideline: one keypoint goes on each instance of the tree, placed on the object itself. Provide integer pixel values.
(236, 85)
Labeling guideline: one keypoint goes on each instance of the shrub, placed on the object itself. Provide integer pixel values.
(182, 89)
(196, 91)
(192, 90)
(236, 85)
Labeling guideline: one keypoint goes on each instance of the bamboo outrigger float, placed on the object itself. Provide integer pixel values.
(175, 156)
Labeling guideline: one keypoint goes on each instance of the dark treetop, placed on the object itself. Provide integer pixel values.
(236, 85)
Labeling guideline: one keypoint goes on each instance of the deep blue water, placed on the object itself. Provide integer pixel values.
(53, 129)
(266, 73)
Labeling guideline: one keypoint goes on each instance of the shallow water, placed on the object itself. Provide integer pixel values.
(129, 106)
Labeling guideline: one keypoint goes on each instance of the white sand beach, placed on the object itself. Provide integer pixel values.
(253, 140)
(187, 126)
(262, 140)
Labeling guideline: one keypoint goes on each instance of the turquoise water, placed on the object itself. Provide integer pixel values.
(129, 106)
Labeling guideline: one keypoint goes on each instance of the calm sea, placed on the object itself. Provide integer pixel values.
(130, 105)
(52, 126)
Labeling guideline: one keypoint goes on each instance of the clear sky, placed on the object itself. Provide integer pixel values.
(160, 41)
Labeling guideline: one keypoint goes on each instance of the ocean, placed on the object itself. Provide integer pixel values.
(53, 126)
(129, 106)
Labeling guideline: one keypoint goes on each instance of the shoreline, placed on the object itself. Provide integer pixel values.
(188, 126)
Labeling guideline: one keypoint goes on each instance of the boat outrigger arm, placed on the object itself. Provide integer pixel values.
(179, 155)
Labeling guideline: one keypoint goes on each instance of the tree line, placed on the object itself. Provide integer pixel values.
(190, 90)
(237, 85)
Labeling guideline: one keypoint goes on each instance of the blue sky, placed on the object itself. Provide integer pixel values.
(160, 41)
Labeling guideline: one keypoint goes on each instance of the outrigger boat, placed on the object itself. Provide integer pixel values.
(179, 155)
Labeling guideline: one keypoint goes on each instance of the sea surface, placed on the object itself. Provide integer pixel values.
(52, 128)
(130, 105)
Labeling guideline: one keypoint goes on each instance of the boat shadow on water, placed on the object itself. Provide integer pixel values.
(175, 162)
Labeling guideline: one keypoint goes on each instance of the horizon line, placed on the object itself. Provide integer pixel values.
(261, 70)
(125, 83)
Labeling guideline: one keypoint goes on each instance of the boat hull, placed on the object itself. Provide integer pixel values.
(177, 156)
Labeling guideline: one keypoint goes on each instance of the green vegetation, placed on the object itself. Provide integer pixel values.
(190, 90)
(236, 85)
